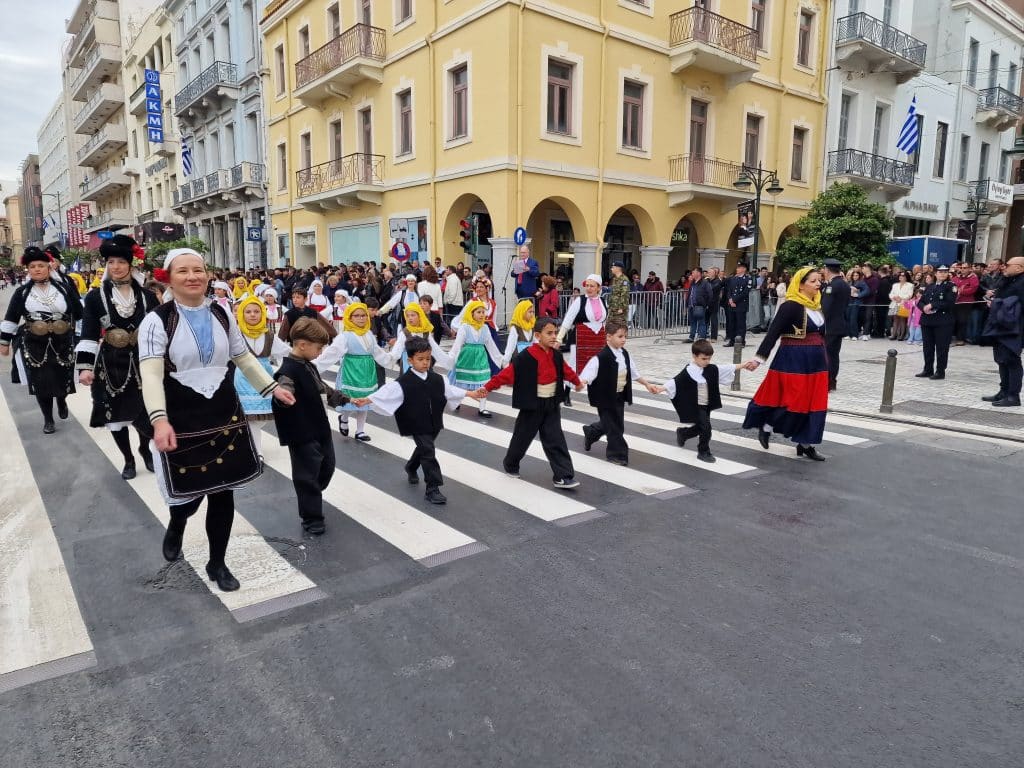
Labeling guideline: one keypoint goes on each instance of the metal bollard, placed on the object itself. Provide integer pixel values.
(737, 358)
(889, 382)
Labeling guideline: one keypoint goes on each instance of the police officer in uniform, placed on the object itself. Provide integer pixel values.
(835, 297)
(937, 321)
(737, 302)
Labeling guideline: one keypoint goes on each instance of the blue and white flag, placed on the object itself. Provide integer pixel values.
(909, 134)
(186, 157)
(76, 265)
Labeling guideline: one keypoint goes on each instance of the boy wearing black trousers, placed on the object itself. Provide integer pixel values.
(417, 400)
(609, 376)
(537, 377)
(303, 427)
(696, 392)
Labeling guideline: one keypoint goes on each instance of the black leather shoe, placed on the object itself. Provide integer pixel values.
(315, 527)
(992, 398)
(62, 408)
(413, 477)
(220, 574)
(588, 441)
(485, 414)
(923, 375)
(807, 451)
(343, 426)
(1007, 402)
(434, 496)
(147, 460)
(362, 437)
(937, 376)
(172, 545)
(619, 462)
(764, 438)
(706, 457)
(48, 428)
(681, 437)
(128, 473)
(727, 344)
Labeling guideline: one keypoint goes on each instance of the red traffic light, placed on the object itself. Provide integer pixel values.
(465, 235)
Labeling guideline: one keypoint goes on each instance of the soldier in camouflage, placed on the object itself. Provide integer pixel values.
(618, 301)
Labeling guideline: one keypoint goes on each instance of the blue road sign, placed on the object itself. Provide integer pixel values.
(520, 236)
(105, 234)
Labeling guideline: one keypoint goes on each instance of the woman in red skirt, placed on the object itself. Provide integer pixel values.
(793, 398)
(583, 324)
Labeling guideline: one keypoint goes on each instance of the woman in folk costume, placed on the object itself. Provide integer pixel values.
(240, 288)
(793, 398)
(222, 295)
(251, 315)
(415, 323)
(335, 314)
(520, 330)
(40, 321)
(470, 358)
(186, 348)
(583, 324)
(108, 352)
(274, 310)
(315, 298)
(356, 348)
(97, 279)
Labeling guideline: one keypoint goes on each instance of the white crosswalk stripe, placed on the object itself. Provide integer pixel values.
(42, 633)
(269, 582)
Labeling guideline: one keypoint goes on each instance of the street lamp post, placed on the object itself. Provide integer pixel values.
(763, 181)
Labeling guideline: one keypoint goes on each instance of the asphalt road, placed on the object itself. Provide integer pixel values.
(862, 612)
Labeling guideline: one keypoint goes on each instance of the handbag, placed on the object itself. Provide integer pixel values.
(903, 310)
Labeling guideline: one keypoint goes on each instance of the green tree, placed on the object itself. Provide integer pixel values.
(842, 224)
(84, 256)
(155, 253)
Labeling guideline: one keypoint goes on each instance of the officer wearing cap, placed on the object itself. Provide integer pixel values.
(937, 321)
(618, 301)
(737, 297)
(835, 297)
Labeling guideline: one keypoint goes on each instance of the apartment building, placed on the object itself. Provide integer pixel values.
(30, 202)
(611, 129)
(55, 171)
(152, 163)
(219, 110)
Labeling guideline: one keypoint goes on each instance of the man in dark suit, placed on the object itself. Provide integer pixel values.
(737, 302)
(835, 297)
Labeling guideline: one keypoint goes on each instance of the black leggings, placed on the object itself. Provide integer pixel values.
(46, 406)
(220, 514)
(124, 444)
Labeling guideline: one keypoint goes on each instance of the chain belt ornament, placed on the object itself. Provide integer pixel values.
(47, 327)
(120, 338)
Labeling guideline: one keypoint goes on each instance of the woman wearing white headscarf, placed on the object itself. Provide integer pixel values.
(583, 324)
(206, 450)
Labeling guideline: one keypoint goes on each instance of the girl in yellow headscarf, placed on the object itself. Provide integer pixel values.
(241, 288)
(467, 359)
(356, 349)
(414, 323)
(267, 347)
(520, 330)
(793, 397)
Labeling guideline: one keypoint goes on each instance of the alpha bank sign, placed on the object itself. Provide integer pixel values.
(913, 206)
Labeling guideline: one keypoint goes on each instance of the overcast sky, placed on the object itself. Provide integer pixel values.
(30, 62)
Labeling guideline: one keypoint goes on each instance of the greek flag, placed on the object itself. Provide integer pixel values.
(186, 157)
(76, 265)
(49, 221)
(909, 136)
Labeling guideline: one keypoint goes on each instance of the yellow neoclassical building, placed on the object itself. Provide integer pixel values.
(606, 128)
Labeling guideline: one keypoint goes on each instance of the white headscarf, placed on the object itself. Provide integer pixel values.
(265, 291)
(222, 285)
(176, 252)
(593, 279)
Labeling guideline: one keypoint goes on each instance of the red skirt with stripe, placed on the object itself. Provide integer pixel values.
(793, 398)
(588, 344)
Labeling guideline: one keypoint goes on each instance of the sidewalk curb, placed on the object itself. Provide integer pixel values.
(913, 421)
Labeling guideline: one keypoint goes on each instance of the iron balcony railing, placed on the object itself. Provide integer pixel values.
(247, 173)
(861, 26)
(702, 26)
(1001, 98)
(213, 182)
(359, 41)
(697, 169)
(346, 171)
(854, 162)
(218, 73)
(199, 187)
(98, 138)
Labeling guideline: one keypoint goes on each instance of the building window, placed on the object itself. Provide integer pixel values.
(282, 166)
(632, 114)
(405, 122)
(803, 50)
(983, 161)
(972, 64)
(698, 128)
(459, 78)
(403, 10)
(965, 151)
(758, 20)
(993, 70)
(560, 77)
(1011, 79)
(305, 151)
(799, 142)
(845, 108)
(878, 129)
(941, 137)
(752, 141)
(915, 156)
(279, 71)
(303, 42)
(1004, 167)
(887, 12)
(854, 7)
(335, 133)
(333, 21)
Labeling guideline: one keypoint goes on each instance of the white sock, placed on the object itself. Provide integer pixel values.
(360, 422)
(482, 404)
(766, 427)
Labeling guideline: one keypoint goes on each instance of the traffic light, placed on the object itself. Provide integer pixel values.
(466, 235)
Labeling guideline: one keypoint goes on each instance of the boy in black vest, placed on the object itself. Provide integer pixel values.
(298, 311)
(609, 376)
(696, 392)
(417, 400)
(537, 377)
(303, 427)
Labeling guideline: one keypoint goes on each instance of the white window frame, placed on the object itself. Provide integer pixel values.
(645, 7)
(300, 54)
(564, 55)
(458, 60)
(808, 154)
(336, 6)
(762, 134)
(398, 157)
(963, 158)
(282, 156)
(766, 35)
(811, 40)
(340, 120)
(646, 113)
(401, 24)
(280, 72)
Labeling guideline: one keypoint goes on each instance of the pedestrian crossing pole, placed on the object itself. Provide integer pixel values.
(737, 358)
(889, 382)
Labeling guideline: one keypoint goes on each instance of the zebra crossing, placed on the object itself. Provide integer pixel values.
(369, 492)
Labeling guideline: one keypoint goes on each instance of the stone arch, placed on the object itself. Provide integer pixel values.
(788, 232)
(550, 238)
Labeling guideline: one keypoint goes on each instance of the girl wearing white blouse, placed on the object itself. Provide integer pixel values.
(199, 427)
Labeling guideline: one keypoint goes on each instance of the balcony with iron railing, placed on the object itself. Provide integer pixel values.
(105, 142)
(345, 182)
(137, 101)
(245, 179)
(999, 108)
(107, 100)
(701, 39)
(216, 82)
(100, 26)
(692, 175)
(356, 55)
(893, 177)
(99, 66)
(112, 218)
(874, 46)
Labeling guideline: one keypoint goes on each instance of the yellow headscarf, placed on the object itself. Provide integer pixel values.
(240, 287)
(467, 314)
(252, 331)
(793, 291)
(423, 325)
(79, 282)
(97, 279)
(254, 286)
(519, 316)
(346, 319)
